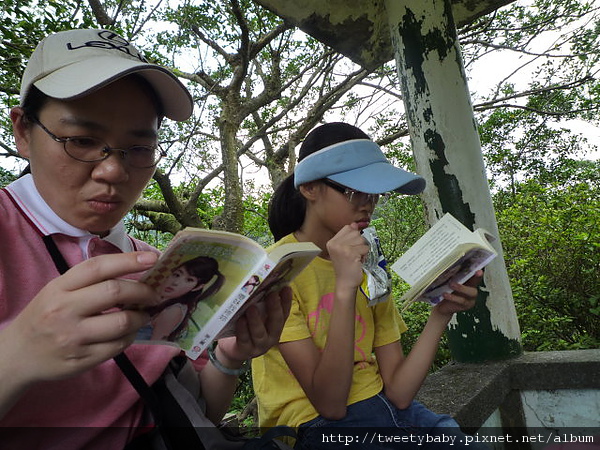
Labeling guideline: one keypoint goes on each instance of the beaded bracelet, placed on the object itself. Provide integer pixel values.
(226, 370)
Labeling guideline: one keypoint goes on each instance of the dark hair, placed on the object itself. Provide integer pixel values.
(287, 207)
(33, 102)
(204, 268)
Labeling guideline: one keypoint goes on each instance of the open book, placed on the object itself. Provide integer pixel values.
(447, 252)
(208, 278)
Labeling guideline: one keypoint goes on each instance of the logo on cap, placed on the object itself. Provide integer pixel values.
(110, 41)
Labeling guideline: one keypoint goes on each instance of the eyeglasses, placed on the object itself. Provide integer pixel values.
(356, 198)
(91, 149)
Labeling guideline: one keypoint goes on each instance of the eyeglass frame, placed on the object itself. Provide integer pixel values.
(352, 194)
(106, 149)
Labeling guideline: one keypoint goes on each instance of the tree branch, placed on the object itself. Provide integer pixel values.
(491, 104)
(100, 13)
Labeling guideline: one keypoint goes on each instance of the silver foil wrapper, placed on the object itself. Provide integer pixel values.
(376, 284)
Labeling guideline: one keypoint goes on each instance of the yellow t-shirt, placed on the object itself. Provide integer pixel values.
(281, 399)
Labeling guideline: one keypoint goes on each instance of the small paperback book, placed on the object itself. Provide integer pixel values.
(447, 252)
(207, 279)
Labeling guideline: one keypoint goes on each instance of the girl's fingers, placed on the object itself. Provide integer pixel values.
(463, 290)
(475, 280)
(256, 326)
(278, 305)
(260, 328)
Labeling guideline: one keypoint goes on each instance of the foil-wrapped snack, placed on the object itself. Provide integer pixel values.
(376, 284)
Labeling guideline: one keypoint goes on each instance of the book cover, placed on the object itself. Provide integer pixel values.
(207, 278)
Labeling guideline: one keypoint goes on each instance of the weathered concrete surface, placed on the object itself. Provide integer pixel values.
(359, 28)
(557, 370)
(472, 392)
(561, 408)
(467, 392)
(447, 154)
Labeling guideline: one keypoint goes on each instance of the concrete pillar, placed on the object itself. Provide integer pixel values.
(447, 151)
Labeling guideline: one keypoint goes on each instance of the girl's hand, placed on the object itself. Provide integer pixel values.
(347, 250)
(256, 332)
(462, 298)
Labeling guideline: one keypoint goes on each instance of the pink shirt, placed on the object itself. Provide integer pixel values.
(100, 407)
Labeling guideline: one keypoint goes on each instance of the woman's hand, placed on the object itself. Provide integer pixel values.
(79, 319)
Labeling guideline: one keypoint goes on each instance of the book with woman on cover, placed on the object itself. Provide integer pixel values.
(447, 252)
(207, 279)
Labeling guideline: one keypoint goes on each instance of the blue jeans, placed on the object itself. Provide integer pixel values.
(376, 423)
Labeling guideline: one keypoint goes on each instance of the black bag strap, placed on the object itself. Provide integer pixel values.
(57, 257)
(140, 385)
(180, 437)
(122, 361)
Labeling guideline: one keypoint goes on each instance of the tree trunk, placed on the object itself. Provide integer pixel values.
(232, 218)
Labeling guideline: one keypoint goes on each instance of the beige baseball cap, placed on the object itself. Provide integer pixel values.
(75, 63)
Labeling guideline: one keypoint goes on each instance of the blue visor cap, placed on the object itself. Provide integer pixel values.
(360, 165)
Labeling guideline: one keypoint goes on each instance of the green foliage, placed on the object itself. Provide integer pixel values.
(399, 221)
(415, 318)
(513, 156)
(551, 239)
(244, 394)
(6, 177)
(21, 30)
(255, 217)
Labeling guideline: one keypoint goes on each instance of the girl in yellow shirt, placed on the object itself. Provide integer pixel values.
(340, 364)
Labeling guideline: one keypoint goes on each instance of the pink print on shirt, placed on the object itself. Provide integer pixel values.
(318, 324)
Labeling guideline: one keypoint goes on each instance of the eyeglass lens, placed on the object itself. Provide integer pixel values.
(361, 198)
(92, 149)
(356, 198)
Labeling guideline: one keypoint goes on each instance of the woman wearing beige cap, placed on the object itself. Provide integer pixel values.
(88, 122)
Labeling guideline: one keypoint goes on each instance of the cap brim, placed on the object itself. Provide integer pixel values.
(81, 78)
(380, 177)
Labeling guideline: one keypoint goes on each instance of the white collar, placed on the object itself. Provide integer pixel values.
(26, 195)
